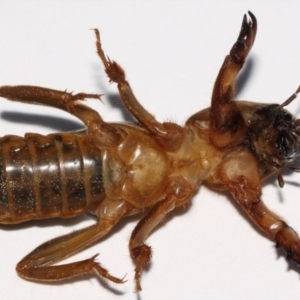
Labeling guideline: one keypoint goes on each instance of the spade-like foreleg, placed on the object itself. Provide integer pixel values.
(227, 127)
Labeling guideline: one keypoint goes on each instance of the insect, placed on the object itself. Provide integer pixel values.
(116, 170)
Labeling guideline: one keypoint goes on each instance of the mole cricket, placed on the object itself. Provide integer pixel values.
(150, 168)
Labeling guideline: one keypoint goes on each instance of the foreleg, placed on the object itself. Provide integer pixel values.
(178, 193)
(37, 266)
(227, 127)
(241, 177)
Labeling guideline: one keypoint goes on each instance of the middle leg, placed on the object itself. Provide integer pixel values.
(178, 193)
(168, 135)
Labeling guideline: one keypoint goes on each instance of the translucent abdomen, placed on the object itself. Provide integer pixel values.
(58, 175)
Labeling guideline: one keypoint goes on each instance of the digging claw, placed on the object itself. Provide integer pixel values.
(245, 39)
(288, 239)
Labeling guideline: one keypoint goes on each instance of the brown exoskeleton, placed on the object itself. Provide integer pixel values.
(117, 170)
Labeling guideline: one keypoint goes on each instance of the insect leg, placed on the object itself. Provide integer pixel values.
(178, 193)
(227, 126)
(43, 96)
(37, 266)
(168, 134)
(103, 133)
(241, 176)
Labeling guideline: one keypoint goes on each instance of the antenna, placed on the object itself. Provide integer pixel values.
(290, 99)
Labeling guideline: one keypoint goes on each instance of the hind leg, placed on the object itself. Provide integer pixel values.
(103, 134)
(37, 266)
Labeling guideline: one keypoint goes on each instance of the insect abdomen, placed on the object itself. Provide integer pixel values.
(48, 176)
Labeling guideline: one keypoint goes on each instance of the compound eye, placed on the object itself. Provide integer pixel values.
(288, 117)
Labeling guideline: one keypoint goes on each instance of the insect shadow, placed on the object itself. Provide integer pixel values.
(58, 124)
(244, 76)
(114, 101)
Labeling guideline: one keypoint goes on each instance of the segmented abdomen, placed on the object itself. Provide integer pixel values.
(48, 176)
